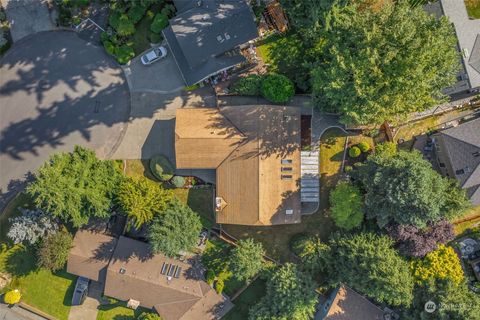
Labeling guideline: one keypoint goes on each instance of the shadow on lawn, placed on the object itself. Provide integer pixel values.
(21, 261)
(67, 299)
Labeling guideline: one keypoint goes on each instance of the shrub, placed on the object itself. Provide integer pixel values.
(159, 23)
(210, 276)
(386, 149)
(149, 316)
(249, 85)
(109, 47)
(297, 242)
(12, 297)
(3, 16)
(125, 26)
(114, 19)
(346, 206)
(277, 88)
(64, 17)
(178, 181)
(354, 152)
(81, 3)
(363, 146)
(54, 250)
(136, 13)
(348, 168)
(3, 38)
(161, 168)
(155, 37)
(219, 286)
(31, 226)
(168, 10)
(124, 54)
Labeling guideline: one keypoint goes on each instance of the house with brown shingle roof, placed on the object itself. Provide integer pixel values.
(255, 151)
(346, 304)
(175, 289)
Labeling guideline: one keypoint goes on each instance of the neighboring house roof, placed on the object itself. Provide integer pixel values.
(253, 141)
(134, 273)
(348, 304)
(468, 31)
(203, 31)
(462, 144)
(90, 254)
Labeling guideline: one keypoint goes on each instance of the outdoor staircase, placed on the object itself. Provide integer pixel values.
(310, 178)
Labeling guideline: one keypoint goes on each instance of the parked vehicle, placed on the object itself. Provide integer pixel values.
(81, 291)
(154, 55)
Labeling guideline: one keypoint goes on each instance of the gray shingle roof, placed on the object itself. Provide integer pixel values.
(200, 35)
(467, 31)
(463, 147)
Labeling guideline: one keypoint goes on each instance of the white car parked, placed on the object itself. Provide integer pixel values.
(154, 55)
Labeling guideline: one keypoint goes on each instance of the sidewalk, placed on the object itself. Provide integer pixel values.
(17, 313)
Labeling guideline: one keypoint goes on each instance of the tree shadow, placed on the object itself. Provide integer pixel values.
(21, 260)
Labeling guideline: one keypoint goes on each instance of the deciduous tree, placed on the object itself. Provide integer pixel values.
(404, 189)
(442, 263)
(246, 259)
(75, 186)
(141, 199)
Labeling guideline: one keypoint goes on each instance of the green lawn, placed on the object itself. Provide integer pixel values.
(276, 239)
(473, 8)
(200, 201)
(21, 200)
(470, 220)
(247, 299)
(118, 311)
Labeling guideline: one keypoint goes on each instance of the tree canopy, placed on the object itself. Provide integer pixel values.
(247, 259)
(404, 189)
(31, 226)
(290, 294)
(368, 263)
(346, 206)
(376, 64)
(442, 263)
(141, 199)
(75, 186)
(277, 88)
(453, 301)
(176, 229)
(54, 250)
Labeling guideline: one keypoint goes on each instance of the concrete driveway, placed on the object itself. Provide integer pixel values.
(161, 77)
(57, 91)
(27, 17)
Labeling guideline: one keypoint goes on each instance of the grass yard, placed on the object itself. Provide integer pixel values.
(118, 311)
(470, 220)
(40, 288)
(276, 239)
(21, 200)
(200, 201)
(247, 299)
(473, 8)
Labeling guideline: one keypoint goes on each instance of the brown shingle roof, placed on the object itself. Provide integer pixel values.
(141, 279)
(348, 305)
(255, 139)
(200, 145)
(90, 254)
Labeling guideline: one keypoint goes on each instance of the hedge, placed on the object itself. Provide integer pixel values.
(159, 23)
(249, 85)
(136, 13)
(277, 88)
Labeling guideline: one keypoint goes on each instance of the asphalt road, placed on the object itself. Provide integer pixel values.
(57, 91)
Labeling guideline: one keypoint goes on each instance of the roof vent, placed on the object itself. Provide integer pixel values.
(289, 211)
(220, 38)
(199, 3)
(227, 36)
(122, 270)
